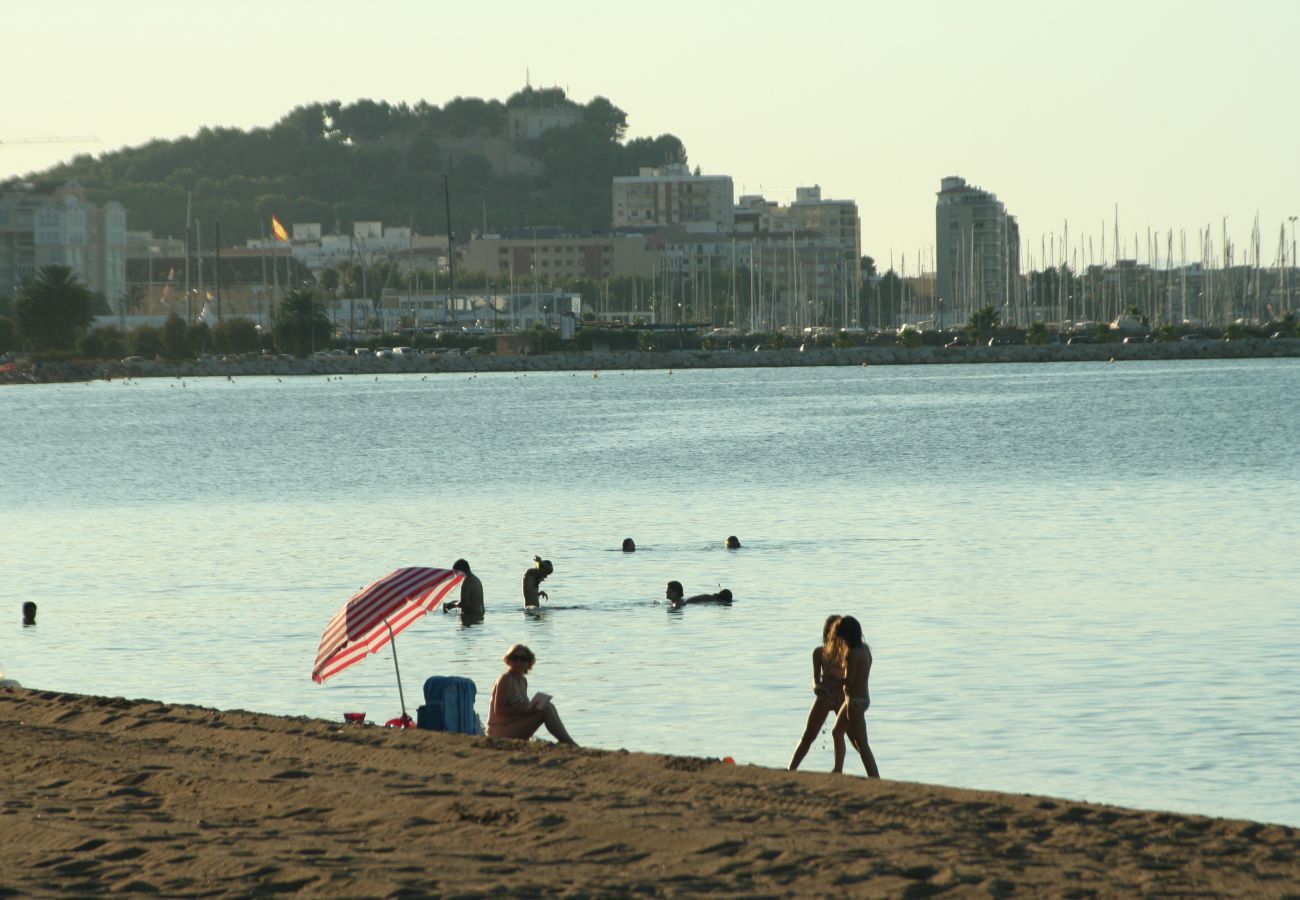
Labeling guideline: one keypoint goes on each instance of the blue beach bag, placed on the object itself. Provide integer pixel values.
(448, 705)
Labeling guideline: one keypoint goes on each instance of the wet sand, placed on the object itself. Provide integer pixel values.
(111, 795)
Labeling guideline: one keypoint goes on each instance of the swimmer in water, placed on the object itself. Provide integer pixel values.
(677, 598)
(629, 545)
(733, 543)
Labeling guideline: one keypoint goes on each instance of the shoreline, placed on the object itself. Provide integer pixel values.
(634, 360)
(108, 794)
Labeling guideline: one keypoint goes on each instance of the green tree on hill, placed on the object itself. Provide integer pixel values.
(337, 163)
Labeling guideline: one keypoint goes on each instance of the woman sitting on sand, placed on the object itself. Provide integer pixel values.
(847, 648)
(513, 714)
(828, 691)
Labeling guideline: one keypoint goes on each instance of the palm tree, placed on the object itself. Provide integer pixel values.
(983, 322)
(301, 325)
(53, 309)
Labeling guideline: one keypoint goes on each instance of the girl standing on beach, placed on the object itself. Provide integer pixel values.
(828, 688)
(513, 714)
(854, 657)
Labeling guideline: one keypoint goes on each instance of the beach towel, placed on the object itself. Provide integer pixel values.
(448, 705)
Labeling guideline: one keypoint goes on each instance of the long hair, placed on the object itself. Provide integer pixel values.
(845, 635)
(826, 629)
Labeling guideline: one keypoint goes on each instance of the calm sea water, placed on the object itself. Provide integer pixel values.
(1077, 579)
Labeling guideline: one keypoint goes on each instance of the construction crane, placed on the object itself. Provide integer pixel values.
(51, 139)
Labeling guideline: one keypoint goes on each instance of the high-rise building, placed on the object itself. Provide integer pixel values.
(49, 223)
(978, 245)
(671, 195)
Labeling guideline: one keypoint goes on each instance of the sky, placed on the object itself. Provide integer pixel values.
(1174, 115)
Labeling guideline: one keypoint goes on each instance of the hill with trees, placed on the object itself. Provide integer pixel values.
(371, 160)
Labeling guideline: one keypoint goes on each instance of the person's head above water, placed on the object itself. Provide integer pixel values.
(733, 543)
(29, 613)
(629, 545)
(544, 566)
(724, 595)
(460, 566)
(675, 591)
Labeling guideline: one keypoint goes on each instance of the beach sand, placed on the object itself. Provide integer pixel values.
(112, 795)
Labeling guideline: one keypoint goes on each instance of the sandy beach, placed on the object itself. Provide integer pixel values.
(112, 795)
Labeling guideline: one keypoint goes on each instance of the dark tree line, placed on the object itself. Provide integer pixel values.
(336, 164)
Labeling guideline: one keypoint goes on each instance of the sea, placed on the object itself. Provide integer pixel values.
(1077, 579)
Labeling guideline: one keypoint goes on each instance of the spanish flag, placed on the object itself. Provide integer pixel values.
(278, 230)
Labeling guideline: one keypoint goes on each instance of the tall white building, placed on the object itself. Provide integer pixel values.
(54, 224)
(978, 245)
(671, 195)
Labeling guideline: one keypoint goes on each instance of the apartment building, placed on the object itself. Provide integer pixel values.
(555, 253)
(978, 248)
(48, 223)
(671, 195)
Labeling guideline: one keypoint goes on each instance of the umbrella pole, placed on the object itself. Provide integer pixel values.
(392, 642)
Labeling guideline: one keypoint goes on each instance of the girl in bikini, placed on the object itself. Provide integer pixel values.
(828, 691)
(854, 657)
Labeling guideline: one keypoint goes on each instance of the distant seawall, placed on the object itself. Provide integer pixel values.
(672, 359)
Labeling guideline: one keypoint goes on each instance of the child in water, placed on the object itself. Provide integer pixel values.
(847, 648)
(828, 691)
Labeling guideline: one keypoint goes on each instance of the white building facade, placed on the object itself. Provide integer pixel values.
(51, 224)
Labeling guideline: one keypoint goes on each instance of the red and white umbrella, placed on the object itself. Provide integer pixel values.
(378, 613)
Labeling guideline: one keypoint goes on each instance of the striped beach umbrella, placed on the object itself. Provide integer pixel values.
(376, 615)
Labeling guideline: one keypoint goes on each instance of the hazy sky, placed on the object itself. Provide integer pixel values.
(1180, 112)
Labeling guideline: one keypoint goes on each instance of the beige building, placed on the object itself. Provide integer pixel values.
(978, 247)
(671, 195)
(825, 235)
(550, 253)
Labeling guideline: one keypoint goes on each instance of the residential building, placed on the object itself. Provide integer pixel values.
(49, 223)
(978, 248)
(671, 195)
(792, 279)
(556, 253)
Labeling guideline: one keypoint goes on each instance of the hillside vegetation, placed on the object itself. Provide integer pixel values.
(369, 160)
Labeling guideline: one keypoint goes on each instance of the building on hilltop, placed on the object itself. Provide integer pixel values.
(671, 195)
(49, 223)
(978, 248)
(527, 123)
